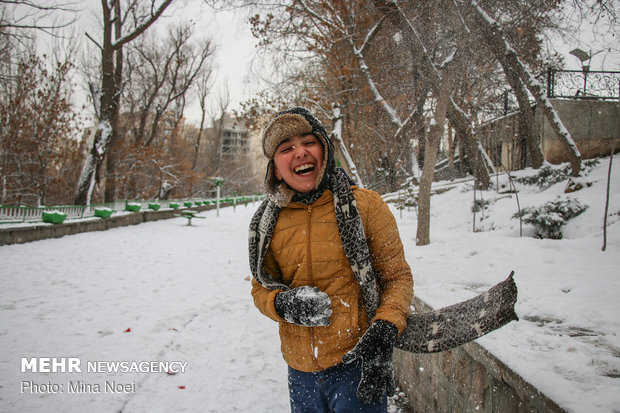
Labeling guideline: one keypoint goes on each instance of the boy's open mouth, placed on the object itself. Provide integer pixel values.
(305, 169)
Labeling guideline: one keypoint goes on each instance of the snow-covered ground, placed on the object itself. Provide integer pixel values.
(181, 290)
(567, 342)
(165, 291)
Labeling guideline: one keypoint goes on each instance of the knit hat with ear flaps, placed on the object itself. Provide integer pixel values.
(297, 121)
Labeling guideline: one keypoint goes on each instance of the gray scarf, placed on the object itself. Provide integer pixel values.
(426, 332)
(351, 232)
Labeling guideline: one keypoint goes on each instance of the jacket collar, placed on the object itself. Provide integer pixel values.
(325, 198)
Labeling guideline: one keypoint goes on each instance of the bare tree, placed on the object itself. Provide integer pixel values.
(122, 23)
(521, 78)
(36, 122)
(435, 135)
(160, 73)
(217, 116)
(204, 87)
(22, 19)
(429, 70)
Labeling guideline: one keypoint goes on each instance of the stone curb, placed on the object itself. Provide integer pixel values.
(20, 235)
(465, 379)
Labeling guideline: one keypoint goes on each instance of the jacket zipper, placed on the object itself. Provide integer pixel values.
(312, 343)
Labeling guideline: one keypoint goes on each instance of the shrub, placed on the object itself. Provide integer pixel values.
(550, 217)
(548, 175)
(410, 198)
(480, 205)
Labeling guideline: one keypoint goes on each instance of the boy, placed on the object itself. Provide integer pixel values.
(328, 265)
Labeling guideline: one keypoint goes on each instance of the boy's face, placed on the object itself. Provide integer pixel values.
(298, 161)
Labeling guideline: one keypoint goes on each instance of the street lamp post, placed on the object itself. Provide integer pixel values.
(583, 58)
(218, 181)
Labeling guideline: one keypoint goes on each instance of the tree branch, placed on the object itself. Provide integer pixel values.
(93, 40)
(141, 28)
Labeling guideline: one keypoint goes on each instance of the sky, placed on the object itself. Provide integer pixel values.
(231, 33)
(228, 30)
(597, 37)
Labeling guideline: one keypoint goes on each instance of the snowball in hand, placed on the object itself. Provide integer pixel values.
(305, 306)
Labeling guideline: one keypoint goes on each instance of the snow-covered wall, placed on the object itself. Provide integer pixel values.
(465, 379)
(593, 124)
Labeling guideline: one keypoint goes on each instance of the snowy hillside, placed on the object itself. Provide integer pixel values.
(167, 292)
(568, 340)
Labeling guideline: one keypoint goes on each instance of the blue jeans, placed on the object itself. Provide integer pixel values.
(330, 391)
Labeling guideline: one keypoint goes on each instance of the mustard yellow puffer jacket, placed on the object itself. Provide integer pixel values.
(306, 250)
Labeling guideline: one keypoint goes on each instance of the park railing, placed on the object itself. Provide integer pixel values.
(559, 84)
(584, 84)
(57, 214)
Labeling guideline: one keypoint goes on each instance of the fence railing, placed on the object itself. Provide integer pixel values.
(583, 84)
(23, 214)
(564, 84)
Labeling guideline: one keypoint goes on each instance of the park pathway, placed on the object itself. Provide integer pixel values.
(160, 291)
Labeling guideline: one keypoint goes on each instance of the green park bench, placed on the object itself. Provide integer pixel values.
(189, 215)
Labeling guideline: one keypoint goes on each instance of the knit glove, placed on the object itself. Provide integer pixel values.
(375, 349)
(304, 306)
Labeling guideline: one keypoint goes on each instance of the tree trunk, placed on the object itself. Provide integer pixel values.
(528, 130)
(203, 114)
(110, 182)
(111, 76)
(110, 178)
(457, 117)
(107, 121)
(469, 145)
(430, 158)
(424, 191)
(495, 39)
(337, 138)
(451, 146)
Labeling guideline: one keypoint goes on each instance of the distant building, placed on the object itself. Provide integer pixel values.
(231, 150)
(235, 140)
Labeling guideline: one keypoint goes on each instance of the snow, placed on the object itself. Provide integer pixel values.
(88, 175)
(485, 156)
(167, 292)
(448, 59)
(182, 292)
(106, 133)
(53, 212)
(567, 342)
